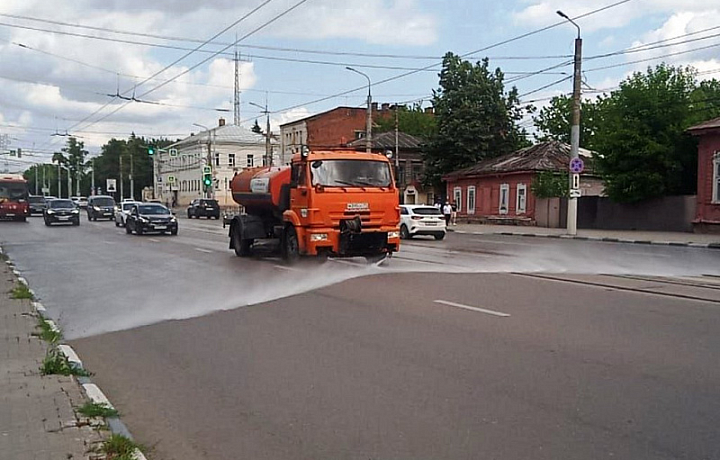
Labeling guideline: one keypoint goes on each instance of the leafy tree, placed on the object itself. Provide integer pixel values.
(644, 151)
(72, 156)
(412, 120)
(476, 117)
(256, 128)
(549, 184)
(554, 120)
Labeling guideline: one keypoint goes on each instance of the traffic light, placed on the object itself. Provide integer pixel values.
(207, 176)
(151, 150)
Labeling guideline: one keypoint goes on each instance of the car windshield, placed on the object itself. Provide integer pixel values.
(13, 191)
(153, 209)
(358, 173)
(429, 211)
(62, 204)
(208, 202)
(103, 202)
(36, 200)
(127, 206)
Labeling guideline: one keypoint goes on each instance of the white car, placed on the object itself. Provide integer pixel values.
(418, 219)
(122, 211)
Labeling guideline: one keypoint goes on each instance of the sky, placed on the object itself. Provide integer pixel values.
(64, 63)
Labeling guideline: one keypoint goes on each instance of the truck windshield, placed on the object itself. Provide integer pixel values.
(342, 173)
(13, 191)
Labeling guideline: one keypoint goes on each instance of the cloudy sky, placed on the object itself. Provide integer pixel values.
(63, 63)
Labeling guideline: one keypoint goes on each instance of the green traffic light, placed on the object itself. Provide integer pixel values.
(151, 150)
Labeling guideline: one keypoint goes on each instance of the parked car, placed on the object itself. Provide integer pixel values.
(421, 220)
(101, 207)
(63, 210)
(37, 204)
(150, 217)
(82, 202)
(122, 211)
(201, 207)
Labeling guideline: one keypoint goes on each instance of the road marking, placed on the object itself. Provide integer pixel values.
(468, 307)
(153, 240)
(206, 251)
(109, 242)
(283, 267)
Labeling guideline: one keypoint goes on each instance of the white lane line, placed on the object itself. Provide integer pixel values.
(153, 240)
(109, 242)
(206, 251)
(283, 267)
(468, 307)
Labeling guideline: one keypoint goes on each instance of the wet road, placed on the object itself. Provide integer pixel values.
(473, 347)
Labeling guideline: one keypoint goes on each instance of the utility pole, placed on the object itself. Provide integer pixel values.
(44, 179)
(209, 191)
(132, 180)
(59, 183)
(122, 192)
(37, 173)
(397, 141)
(575, 129)
(368, 127)
(92, 185)
(268, 153)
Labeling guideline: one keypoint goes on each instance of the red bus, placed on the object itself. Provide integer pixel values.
(14, 197)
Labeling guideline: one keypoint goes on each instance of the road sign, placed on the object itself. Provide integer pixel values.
(171, 179)
(173, 152)
(575, 193)
(576, 165)
(206, 170)
(46, 190)
(111, 185)
(575, 181)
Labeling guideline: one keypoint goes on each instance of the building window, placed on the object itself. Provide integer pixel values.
(250, 160)
(231, 160)
(457, 198)
(217, 159)
(716, 178)
(504, 198)
(521, 200)
(471, 200)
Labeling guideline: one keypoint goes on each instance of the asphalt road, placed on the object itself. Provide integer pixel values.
(473, 347)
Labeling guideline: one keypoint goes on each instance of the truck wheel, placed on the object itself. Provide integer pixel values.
(290, 245)
(243, 248)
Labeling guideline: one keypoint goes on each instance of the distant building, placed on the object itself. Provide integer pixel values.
(499, 189)
(232, 149)
(707, 214)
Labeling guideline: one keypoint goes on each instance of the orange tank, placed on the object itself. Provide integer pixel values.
(259, 188)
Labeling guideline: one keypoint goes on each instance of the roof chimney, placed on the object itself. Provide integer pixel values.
(374, 106)
(221, 122)
(385, 107)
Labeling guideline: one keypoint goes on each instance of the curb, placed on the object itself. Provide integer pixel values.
(688, 244)
(91, 390)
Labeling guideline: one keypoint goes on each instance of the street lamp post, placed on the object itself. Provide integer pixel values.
(575, 129)
(209, 192)
(268, 153)
(368, 128)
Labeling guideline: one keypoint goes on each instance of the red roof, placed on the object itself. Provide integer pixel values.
(710, 124)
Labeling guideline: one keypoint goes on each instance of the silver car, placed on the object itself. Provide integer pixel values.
(122, 211)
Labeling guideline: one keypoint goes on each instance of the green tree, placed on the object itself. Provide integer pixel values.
(476, 117)
(554, 120)
(256, 128)
(72, 157)
(549, 184)
(412, 120)
(643, 149)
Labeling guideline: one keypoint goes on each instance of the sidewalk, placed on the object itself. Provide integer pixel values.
(619, 236)
(37, 416)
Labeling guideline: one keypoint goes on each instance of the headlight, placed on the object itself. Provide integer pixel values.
(173, 219)
(392, 235)
(96, 208)
(50, 211)
(143, 220)
(75, 211)
(318, 237)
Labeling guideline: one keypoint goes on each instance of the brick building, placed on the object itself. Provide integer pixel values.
(707, 217)
(498, 189)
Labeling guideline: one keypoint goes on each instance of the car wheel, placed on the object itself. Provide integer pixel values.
(76, 222)
(404, 232)
(128, 230)
(174, 231)
(47, 223)
(290, 245)
(439, 236)
(189, 216)
(117, 224)
(138, 229)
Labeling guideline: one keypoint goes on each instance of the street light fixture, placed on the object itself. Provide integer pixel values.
(268, 154)
(368, 128)
(574, 130)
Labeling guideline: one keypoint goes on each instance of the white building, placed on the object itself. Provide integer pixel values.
(231, 148)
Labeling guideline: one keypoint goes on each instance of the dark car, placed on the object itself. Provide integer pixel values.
(202, 207)
(150, 217)
(37, 204)
(61, 211)
(101, 207)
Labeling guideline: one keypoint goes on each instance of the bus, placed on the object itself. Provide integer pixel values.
(14, 197)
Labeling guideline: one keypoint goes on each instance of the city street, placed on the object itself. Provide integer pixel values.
(472, 347)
